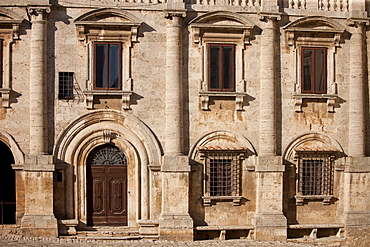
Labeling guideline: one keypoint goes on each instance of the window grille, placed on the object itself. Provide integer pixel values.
(66, 85)
(315, 174)
(222, 174)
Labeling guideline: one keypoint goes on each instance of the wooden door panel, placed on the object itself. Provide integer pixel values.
(98, 195)
(108, 195)
(116, 188)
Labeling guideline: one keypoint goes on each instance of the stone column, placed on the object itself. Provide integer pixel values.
(269, 221)
(38, 83)
(38, 219)
(357, 173)
(176, 223)
(356, 116)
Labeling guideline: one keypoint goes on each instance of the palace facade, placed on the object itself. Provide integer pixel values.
(182, 120)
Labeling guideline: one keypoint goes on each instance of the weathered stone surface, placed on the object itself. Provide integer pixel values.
(171, 125)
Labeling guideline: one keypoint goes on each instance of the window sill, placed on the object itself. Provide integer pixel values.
(325, 199)
(207, 200)
(205, 95)
(5, 95)
(330, 99)
(126, 97)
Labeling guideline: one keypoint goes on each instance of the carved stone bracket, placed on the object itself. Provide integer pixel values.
(5, 95)
(107, 136)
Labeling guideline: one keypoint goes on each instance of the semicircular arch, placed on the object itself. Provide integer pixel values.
(312, 141)
(223, 138)
(8, 140)
(99, 125)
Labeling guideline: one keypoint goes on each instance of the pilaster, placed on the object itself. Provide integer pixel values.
(269, 221)
(356, 195)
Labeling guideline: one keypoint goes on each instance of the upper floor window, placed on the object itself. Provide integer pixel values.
(107, 64)
(313, 70)
(221, 67)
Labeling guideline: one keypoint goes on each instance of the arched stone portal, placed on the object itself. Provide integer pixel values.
(7, 180)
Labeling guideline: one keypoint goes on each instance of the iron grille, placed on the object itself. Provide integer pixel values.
(222, 171)
(315, 174)
(106, 155)
(66, 85)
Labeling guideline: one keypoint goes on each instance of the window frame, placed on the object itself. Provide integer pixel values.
(313, 68)
(326, 182)
(221, 67)
(107, 65)
(235, 179)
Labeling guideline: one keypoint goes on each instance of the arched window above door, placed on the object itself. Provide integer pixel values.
(107, 155)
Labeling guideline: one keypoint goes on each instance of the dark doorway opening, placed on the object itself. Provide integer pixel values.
(7, 185)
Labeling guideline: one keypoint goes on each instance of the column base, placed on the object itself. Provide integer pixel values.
(39, 226)
(176, 227)
(271, 227)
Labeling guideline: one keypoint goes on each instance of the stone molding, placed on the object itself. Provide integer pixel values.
(91, 27)
(9, 33)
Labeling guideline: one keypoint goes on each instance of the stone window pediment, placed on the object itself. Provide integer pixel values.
(109, 26)
(222, 28)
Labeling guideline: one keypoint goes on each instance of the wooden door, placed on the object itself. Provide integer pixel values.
(107, 190)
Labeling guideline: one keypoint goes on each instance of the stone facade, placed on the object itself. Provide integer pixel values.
(268, 151)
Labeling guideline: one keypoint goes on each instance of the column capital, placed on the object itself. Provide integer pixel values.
(38, 12)
(357, 23)
(170, 13)
(269, 17)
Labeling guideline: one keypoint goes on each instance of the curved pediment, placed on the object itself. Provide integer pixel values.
(108, 15)
(218, 22)
(316, 28)
(222, 18)
(315, 22)
(113, 23)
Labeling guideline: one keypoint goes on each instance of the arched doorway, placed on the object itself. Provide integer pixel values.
(106, 186)
(7, 183)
